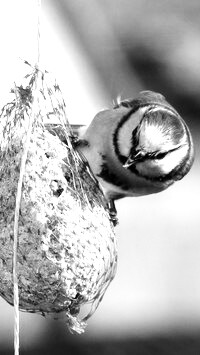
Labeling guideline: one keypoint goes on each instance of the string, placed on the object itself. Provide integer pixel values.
(17, 205)
(38, 30)
(16, 228)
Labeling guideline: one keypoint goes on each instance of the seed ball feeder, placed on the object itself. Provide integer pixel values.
(57, 241)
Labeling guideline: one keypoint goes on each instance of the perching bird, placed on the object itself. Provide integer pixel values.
(140, 147)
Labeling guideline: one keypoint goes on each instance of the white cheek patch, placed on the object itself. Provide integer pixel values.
(160, 167)
(173, 159)
(125, 132)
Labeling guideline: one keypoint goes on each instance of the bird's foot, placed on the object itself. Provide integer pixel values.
(112, 212)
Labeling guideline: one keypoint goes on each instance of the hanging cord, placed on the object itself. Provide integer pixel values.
(16, 228)
(38, 30)
(18, 201)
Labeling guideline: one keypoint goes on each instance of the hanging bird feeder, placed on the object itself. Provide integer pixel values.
(57, 241)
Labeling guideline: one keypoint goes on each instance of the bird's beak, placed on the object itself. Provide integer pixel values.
(132, 159)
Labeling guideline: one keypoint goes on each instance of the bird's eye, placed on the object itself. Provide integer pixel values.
(160, 155)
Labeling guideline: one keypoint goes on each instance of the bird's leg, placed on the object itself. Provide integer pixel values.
(112, 212)
(74, 140)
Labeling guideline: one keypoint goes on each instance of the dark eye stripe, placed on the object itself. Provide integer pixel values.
(160, 155)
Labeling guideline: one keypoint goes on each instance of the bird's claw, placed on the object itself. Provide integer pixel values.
(112, 212)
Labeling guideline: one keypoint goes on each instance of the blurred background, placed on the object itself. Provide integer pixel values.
(99, 50)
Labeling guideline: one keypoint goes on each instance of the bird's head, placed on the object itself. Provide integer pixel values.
(153, 141)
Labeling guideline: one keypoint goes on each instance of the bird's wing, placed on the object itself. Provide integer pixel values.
(144, 98)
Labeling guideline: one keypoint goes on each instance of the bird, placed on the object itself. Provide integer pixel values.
(140, 146)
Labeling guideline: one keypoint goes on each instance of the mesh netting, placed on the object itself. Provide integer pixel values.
(66, 255)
